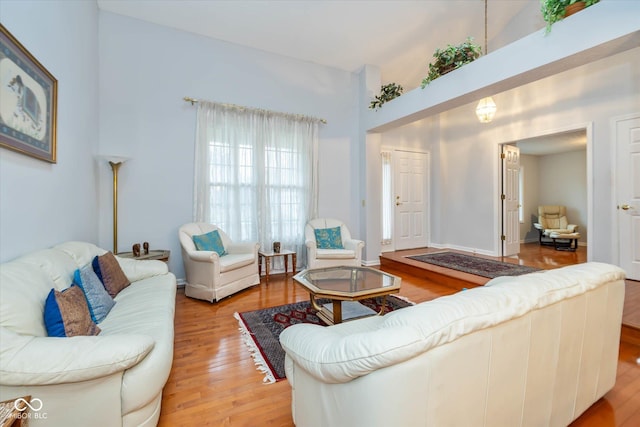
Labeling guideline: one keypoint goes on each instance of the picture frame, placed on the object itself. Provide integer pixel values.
(28, 101)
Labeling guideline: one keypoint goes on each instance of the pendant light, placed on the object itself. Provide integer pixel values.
(486, 109)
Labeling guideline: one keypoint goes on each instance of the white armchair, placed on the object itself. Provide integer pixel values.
(317, 257)
(211, 276)
(552, 219)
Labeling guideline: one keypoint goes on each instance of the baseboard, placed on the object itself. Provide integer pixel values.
(464, 249)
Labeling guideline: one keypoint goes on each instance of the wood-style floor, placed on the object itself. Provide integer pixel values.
(214, 382)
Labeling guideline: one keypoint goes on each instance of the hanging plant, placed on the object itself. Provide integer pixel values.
(387, 93)
(556, 10)
(450, 58)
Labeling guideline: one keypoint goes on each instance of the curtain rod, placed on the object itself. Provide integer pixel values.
(195, 101)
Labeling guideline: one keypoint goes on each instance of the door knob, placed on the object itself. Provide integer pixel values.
(398, 203)
(625, 207)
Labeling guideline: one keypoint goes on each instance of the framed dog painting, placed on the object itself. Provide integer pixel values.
(28, 101)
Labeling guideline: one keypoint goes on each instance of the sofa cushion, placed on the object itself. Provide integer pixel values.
(555, 223)
(99, 300)
(234, 261)
(110, 273)
(210, 241)
(328, 238)
(23, 291)
(335, 254)
(145, 308)
(66, 314)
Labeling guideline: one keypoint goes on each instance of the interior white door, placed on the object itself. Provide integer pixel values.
(510, 200)
(627, 173)
(410, 200)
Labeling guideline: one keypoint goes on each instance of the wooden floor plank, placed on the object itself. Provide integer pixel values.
(214, 382)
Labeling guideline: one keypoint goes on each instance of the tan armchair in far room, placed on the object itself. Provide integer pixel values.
(335, 247)
(553, 219)
(215, 272)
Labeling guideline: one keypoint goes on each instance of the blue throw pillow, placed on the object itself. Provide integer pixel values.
(100, 302)
(210, 242)
(328, 238)
(66, 314)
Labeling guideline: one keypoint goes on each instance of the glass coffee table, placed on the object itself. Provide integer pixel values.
(345, 286)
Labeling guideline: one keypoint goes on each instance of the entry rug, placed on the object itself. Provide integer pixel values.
(261, 329)
(473, 265)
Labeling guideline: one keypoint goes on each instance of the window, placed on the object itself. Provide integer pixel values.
(255, 174)
(387, 205)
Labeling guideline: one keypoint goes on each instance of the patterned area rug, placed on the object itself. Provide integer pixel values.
(473, 265)
(261, 330)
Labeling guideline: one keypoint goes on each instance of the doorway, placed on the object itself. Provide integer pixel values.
(627, 179)
(553, 170)
(410, 199)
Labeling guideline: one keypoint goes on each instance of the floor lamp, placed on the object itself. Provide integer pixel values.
(115, 162)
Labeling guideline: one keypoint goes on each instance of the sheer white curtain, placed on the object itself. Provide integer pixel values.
(256, 174)
(387, 198)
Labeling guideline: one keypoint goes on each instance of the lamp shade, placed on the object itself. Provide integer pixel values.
(114, 159)
(486, 110)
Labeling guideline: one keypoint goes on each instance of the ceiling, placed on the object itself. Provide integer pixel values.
(398, 36)
(553, 144)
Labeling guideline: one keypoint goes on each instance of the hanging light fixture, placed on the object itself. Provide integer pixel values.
(486, 109)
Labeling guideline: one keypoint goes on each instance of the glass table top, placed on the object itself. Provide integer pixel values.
(347, 280)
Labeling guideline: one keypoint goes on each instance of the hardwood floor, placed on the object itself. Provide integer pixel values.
(214, 382)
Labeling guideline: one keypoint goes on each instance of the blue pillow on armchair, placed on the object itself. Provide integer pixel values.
(328, 238)
(210, 241)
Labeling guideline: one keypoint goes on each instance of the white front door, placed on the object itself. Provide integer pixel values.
(410, 200)
(627, 173)
(510, 200)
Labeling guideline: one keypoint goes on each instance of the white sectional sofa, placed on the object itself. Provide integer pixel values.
(112, 379)
(534, 350)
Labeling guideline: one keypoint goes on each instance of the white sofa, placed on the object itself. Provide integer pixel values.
(112, 379)
(534, 350)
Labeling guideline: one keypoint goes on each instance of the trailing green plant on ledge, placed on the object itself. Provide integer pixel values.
(450, 58)
(387, 93)
(556, 10)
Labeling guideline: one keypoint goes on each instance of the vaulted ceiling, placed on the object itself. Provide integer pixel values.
(398, 36)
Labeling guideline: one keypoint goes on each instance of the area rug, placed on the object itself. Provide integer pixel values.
(473, 265)
(261, 330)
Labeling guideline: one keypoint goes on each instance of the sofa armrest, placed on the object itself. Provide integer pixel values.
(331, 358)
(538, 226)
(203, 256)
(29, 360)
(572, 228)
(353, 245)
(243, 248)
(312, 247)
(136, 269)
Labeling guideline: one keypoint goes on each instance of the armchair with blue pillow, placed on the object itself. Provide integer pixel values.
(214, 265)
(329, 244)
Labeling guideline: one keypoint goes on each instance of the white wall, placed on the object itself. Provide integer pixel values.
(42, 204)
(146, 69)
(530, 199)
(468, 215)
(563, 181)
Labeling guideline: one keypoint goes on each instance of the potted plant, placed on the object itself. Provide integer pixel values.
(387, 93)
(556, 10)
(450, 58)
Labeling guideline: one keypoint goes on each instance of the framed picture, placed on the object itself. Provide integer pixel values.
(28, 101)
